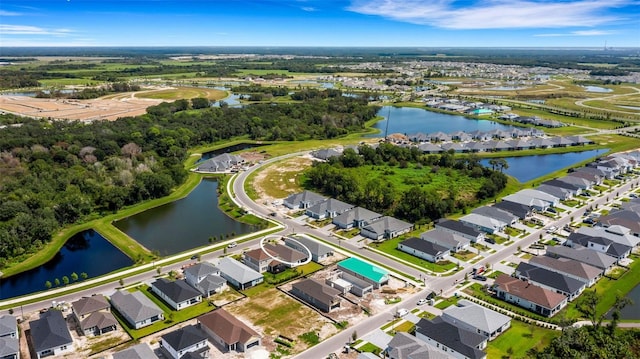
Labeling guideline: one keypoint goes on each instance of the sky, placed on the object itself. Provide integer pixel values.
(321, 23)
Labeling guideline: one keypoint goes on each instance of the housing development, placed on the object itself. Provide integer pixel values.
(398, 207)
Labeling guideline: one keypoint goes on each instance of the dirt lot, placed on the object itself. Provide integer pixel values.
(84, 110)
(274, 313)
(280, 179)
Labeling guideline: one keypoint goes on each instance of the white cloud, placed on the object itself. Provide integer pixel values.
(308, 8)
(493, 14)
(9, 13)
(31, 30)
(578, 33)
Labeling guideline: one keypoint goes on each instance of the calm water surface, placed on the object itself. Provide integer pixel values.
(631, 311)
(527, 168)
(84, 252)
(184, 224)
(410, 120)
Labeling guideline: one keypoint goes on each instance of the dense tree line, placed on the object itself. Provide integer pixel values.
(416, 204)
(53, 173)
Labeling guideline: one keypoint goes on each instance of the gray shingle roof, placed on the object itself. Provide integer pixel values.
(9, 347)
(497, 213)
(475, 316)
(584, 255)
(457, 227)
(549, 278)
(8, 324)
(314, 247)
(387, 224)
(101, 320)
(320, 291)
(135, 305)
(443, 238)
(140, 351)
(424, 246)
(91, 304)
(201, 269)
(447, 334)
(357, 214)
(568, 266)
(184, 337)
(50, 331)
(178, 290)
(406, 346)
(238, 271)
(330, 206)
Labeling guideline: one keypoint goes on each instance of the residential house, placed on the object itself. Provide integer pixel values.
(569, 267)
(360, 269)
(550, 280)
(591, 173)
(421, 248)
(50, 335)
(616, 233)
(483, 223)
(319, 251)
(228, 332)
(449, 240)
(238, 274)
(386, 228)
(451, 339)
(348, 283)
(178, 294)
(257, 259)
(600, 244)
(8, 326)
(93, 315)
(303, 200)
(326, 153)
(406, 346)
(551, 200)
(205, 277)
(628, 217)
(562, 193)
(430, 148)
(356, 218)
(317, 294)
(459, 229)
(577, 182)
(136, 308)
(328, 209)
(528, 295)
(529, 202)
(584, 255)
(496, 213)
(477, 319)
(138, 351)
(519, 210)
(285, 256)
(222, 163)
(9, 341)
(189, 339)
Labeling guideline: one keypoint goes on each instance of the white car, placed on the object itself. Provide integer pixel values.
(422, 301)
(232, 244)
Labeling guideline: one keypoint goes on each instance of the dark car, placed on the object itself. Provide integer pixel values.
(490, 240)
(480, 278)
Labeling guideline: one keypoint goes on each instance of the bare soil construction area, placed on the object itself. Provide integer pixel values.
(84, 110)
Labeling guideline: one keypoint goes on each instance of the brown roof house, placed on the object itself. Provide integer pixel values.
(317, 294)
(529, 296)
(93, 315)
(273, 258)
(228, 332)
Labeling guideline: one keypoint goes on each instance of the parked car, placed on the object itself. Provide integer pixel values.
(480, 278)
(232, 244)
(195, 256)
(490, 240)
(422, 301)
(551, 229)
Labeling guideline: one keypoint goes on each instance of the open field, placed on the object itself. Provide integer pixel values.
(183, 93)
(85, 110)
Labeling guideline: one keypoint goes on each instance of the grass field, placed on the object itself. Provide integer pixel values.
(184, 93)
(515, 342)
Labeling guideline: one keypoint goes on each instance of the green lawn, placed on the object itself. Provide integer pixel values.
(447, 302)
(515, 342)
(464, 255)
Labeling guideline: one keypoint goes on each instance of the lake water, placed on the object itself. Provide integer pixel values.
(84, 252)
(631, 311)
(528, 168)
(596, 89)
(184, 224)
(410, 120)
